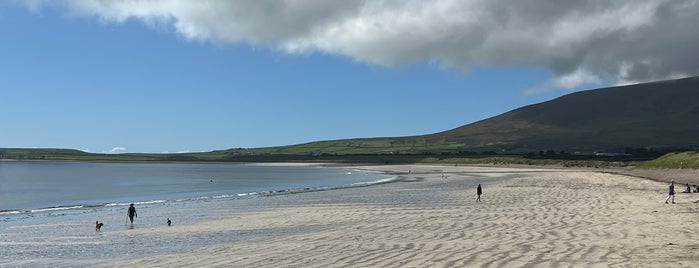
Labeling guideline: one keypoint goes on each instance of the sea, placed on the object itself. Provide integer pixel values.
(48, 209)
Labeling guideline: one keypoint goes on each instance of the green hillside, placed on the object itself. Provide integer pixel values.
(677, 160)
(651, 117)
(661, 115)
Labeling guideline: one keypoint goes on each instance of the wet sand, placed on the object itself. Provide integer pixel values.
(527, 217)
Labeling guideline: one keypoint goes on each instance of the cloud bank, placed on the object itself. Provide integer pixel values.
(582, 41)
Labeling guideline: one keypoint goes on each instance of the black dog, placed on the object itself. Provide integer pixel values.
(98, 226)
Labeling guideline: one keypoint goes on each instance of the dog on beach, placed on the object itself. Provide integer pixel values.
(98, 226)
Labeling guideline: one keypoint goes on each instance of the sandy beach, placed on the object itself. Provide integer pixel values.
(528, 217)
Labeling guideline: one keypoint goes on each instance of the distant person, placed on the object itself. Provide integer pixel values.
(132, 213)
(98, 226)
(696, 188)
(479, 192)
(688, 189)
(169, 222)
(671, 192)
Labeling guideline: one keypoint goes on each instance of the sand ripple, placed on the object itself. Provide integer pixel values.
(532, 219)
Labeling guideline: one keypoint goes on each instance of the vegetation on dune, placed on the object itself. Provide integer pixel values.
(675, 160)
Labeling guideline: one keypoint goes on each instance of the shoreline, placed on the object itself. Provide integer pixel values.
(221, 197)
(680, 176)
(529, 216)
(690, 176)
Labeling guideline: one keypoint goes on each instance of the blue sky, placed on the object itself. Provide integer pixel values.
(99, 80)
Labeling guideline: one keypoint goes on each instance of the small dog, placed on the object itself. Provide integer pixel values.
(98, 226)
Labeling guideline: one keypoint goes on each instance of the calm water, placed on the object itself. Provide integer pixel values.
(48, 209)
(41, 186)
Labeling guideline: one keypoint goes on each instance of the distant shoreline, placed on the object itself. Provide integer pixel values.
(690, 176)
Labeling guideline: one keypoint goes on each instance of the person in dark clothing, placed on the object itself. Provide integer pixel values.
(479, 191)
(671, 192)
(132, 213)
(169, 222)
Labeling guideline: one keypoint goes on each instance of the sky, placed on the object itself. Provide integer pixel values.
(190, 76)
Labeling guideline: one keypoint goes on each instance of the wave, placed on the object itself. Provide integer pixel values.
(10, 212)
(48, 209)
(204, 198)
(136, 203)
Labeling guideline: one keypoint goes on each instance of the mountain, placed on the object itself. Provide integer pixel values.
(658, 116)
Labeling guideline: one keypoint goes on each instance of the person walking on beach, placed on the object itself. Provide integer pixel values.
(479, 191)
(132, 213)
(671, 192)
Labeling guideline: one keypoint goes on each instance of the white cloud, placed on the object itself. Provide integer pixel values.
(116, 150)
(570, 81)
(578, 41)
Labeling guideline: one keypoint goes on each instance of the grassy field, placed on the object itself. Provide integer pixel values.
(357, 146)
(678, 160)
(69, 154)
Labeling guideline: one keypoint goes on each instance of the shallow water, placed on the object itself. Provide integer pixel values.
(41, 234)
(46, 186)
(71, 236)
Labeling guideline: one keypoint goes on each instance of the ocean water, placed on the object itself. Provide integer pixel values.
(48, 209)
(47, 186)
